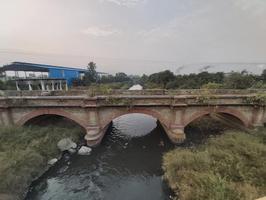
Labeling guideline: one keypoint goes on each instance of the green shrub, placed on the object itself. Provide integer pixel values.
(212, 86)
(258, 99)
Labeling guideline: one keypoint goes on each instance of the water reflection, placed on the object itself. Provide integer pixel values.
(127, 165)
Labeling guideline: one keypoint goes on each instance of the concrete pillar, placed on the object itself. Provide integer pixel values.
(47, 87)
(66, 86)
(42, 85)
(259, 117)
(60, 85)
(30, 87)
(52, 85)
(95, 132)
(95, 135)
(17, 86)
(175, 133)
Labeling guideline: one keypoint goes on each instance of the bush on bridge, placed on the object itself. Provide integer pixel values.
(258, 99)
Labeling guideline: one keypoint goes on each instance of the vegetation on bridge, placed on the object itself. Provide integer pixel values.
(231, 166)
(259, 99)
(24, 152)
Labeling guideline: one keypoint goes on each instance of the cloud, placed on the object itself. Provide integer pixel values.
(126, 3)
(104, 31)
(255, 7)
(176, 27)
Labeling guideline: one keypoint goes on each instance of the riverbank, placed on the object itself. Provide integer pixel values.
(231, 166)
(24, 153)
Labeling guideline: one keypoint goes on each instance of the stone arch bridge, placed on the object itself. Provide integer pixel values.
(94, 114)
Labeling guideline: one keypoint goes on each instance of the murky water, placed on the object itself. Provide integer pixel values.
(126, 166)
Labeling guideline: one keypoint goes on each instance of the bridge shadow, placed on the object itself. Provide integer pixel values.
(213, 124)
(51, 120)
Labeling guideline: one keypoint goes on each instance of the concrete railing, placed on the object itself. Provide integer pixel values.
(93, 92)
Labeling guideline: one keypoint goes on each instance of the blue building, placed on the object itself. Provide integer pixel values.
(45, 71)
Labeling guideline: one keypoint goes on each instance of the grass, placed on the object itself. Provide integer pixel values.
(24, 152)
(231, 166)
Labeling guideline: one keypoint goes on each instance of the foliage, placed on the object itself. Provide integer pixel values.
(241, 80)
(205, 97)
(162, 78)
(259, 85)
(25, 152)
(258, 99)
(91, 75)
(119, 101)
(167, 80)
(229, 167)
(263, 76)
(212, 86)
(7, 85)
(2, 85)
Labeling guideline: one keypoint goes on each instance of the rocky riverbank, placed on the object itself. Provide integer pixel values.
(27, 152)
(230, 166)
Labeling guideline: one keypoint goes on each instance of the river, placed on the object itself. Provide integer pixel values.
(126, 166)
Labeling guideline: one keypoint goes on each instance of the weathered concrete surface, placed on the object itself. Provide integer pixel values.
(94, 114)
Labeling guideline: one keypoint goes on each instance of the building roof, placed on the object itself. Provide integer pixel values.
(32, 67)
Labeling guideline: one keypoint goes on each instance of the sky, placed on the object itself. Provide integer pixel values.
(136, 36)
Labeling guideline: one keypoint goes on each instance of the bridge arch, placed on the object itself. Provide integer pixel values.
(233, 112)
(37, 113)
(155, 114)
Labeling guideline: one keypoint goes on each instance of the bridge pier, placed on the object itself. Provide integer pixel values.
(95, 135)
(175, 133)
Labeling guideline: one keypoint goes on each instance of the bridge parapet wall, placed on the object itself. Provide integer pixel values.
(89, 92)
(95, 113)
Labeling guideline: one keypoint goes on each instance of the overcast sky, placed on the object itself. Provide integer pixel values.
(135, 36)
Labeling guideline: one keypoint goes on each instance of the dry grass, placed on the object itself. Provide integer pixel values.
(24, 152)
(228, 167)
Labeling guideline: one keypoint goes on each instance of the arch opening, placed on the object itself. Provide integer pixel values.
(135, 124)
(211, 124)
(136, 128)
(52, 119)
(57, 121)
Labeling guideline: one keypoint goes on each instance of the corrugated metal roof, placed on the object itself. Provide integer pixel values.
(23, 66)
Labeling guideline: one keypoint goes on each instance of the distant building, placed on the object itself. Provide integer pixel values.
(102, 74)
(51, 76)
(39, 71)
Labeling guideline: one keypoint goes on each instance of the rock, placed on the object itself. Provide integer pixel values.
(66, 144)
(72, 151)
(84, 151)
(52, 161)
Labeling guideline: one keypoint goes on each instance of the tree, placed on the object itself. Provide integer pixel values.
(241, 80)
(162, 77)
(2, 85)
(121, 77)
(263, 75)
(91, 75)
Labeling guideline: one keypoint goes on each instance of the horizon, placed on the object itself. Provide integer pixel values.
(208, 67)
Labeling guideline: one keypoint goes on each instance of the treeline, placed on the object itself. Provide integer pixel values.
(168, 80)
(219, 80)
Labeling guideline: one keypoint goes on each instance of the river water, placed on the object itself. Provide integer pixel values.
(126, 166)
